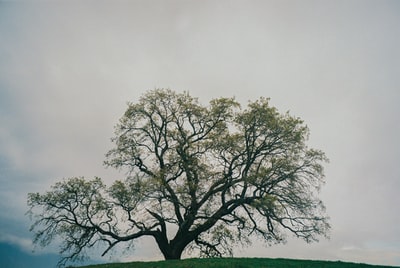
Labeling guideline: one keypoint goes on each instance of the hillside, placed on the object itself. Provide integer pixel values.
(237, 263)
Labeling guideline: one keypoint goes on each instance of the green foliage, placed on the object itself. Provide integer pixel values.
(73, 209)
(199, 178)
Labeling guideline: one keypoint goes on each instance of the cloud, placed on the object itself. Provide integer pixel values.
(23, 243)
(68, 68)
(381, 257)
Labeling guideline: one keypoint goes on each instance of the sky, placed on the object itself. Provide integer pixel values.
(68, 68)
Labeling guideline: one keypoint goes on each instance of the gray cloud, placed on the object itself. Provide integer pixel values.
(68, 68)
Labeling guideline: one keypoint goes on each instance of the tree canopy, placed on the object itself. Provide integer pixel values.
(200, 178)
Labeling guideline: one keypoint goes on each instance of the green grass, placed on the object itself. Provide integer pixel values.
(236, 263)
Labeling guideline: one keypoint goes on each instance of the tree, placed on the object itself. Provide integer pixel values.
(199, 178)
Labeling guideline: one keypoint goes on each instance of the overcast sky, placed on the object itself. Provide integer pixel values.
(68, 68)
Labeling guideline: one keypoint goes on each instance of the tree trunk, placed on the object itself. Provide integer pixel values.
(171, 250)
(172, 254)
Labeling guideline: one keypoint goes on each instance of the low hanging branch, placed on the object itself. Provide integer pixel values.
(219, 174)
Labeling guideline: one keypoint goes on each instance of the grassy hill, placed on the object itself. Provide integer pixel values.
(237, 263)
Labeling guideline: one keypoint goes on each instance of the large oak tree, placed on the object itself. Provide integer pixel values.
(198, 177)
